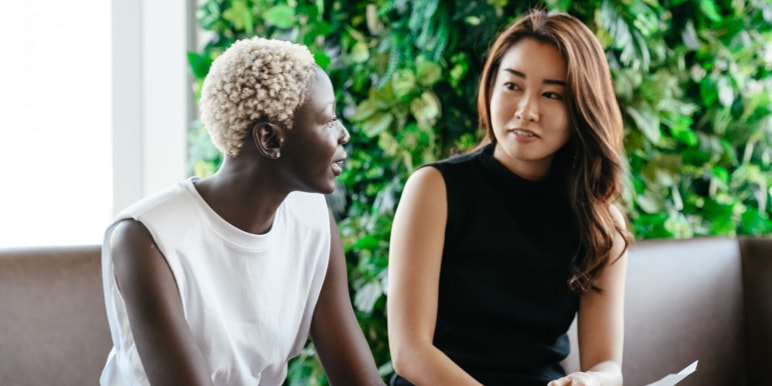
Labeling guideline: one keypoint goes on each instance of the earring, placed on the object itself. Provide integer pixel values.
(278, 153)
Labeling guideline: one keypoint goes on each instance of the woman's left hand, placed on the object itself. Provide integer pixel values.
(579, 378)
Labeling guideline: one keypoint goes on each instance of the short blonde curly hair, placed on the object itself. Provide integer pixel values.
(254, 79)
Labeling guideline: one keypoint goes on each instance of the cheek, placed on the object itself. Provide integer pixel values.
(326, 144)
(559, 120)
(497, 110)
(565, 133)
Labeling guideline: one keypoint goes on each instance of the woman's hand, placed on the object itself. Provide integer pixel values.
(606, 373)
(579, 378)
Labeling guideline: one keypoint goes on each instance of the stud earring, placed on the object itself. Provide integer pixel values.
(277, 155)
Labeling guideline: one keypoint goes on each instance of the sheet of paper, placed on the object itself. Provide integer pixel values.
(672, 379)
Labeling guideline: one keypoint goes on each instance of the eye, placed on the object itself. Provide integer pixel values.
(553, 95)
(511, 86)
(332, 121)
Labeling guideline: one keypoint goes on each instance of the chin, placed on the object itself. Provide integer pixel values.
(326, 188)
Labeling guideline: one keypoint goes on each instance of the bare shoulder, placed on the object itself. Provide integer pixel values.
(134, 252)
(618, 215)
(425, 180)
(129, 236)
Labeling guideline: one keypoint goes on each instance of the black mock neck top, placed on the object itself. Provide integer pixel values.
(504, 305)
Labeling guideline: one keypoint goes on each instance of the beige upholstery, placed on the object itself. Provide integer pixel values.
(708, 299)
(53, 328)
(704, 299)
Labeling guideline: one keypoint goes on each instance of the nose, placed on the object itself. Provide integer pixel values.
(344, 135)
(527, 109)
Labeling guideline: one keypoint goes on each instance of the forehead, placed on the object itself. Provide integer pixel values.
(535, 58)
(318, 92)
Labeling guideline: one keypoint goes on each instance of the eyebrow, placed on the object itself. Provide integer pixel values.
(546, 81)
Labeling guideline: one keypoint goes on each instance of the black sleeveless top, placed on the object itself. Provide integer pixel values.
(504, 305)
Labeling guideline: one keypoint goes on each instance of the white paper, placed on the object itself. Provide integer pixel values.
(672, 379)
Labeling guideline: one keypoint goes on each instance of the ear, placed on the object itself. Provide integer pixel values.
(268, 139)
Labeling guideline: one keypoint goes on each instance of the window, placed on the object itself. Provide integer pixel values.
(55, 107)
(88, 129)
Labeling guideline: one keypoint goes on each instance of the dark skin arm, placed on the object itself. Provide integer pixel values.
(337, 337)
(165, 344)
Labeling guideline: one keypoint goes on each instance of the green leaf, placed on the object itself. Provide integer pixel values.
(366, 242)
(240, 15)
(404, 83)
(428, 73)
(694, 156)
(322, 59)
(662, 169)
(648, 203)
(685, 135)
(364, 110)
(377, 123)
(708, 8)
(367, 295)
(679, 226)
(646, 121)
(425, 109)
(725, 91)
(199, 64)
(360, 53)
(754, 222)
(282, 16)
(560, 5)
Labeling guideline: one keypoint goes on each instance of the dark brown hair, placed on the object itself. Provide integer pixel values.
(591, 161)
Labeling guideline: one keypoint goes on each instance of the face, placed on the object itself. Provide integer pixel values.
(528, 109)
(313, 148)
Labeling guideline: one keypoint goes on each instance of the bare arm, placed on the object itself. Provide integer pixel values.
(417, 238)
(601, 323)
(164, 341)
(338, 339)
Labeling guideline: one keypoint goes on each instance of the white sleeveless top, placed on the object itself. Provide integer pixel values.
(247, 298)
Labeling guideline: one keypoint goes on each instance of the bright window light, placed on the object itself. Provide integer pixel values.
(55, 107)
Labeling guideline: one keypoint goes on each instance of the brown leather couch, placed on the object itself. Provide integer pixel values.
(700, 299)
(704, 299)
(53, 328)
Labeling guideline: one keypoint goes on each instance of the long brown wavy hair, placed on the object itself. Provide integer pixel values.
(591, 161)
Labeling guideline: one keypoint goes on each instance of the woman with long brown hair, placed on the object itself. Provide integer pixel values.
(493, 253)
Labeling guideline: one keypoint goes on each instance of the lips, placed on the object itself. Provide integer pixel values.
(523, 133)
(337, 164)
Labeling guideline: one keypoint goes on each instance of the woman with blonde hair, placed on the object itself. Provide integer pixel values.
(493, 253)
(220, 281)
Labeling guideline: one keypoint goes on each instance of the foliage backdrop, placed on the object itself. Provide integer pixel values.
(692, 78)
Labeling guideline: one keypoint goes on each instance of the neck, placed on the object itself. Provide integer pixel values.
(532, 170)
(244, 194)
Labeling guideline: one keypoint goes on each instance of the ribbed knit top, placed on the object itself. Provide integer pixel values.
(504, 304)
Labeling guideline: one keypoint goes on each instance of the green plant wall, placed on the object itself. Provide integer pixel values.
(692, 78)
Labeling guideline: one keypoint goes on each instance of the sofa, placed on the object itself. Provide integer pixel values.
(53, 327)
(707, 299)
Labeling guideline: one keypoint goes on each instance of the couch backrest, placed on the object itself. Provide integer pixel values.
(708, 299)
(757, 288)
(684, 301)
(53, 328)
